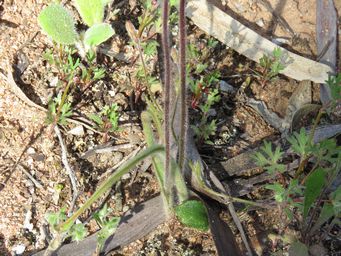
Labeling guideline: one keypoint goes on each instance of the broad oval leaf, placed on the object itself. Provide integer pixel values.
(91, 11)
(58, 23)
(314, 185)
(192, 213)
(98, 34)
(298, 249)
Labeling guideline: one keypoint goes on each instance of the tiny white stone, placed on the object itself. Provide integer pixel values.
(19, 249)
(31, 151)
(260, 23)
(78, 131)
(54, 82)
(30, 161)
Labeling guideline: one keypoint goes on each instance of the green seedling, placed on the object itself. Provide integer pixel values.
(205, 129)
(270, 67)
(107, 119)
(57, 22)
(63, 61)
(269, 159)
(58, 112)
(204, 96)
(108, 226)
(77, 232)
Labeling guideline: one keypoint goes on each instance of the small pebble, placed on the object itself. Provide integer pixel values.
(226, 87)
(77, 131)
(19, 249)
(260, 23)
(31, 151)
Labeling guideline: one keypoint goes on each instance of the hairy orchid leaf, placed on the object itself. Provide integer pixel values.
(193, 213)
(98, 34)
(58, 23)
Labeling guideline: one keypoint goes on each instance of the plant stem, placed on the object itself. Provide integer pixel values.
(146, 74)
(183, 98)
(166, 63)
(63, 99)
(106, 185)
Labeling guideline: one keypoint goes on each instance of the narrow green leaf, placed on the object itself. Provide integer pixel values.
(91, 11)
(98, 34)
(314, 185)
(193, 213)
(58, 23)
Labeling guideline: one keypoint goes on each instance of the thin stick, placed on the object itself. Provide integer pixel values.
(68, 168)
(166, 63)
(183, 98)
(35, 182)
(232, 211)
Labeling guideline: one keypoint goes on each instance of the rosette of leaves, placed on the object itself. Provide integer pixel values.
(59, 24)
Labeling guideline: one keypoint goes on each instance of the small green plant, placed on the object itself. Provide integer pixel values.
(57, 22)
(108, 226)
(107, 119)
(310, 192)
(270, 67)
(58, 112)
(206, 128)
(204, 95)
(77, 232)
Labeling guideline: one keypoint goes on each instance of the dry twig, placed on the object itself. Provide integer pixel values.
(68, 168)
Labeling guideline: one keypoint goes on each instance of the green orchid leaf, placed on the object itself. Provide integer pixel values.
(314, 185)
(91, 11)
(192, 213)
(58, 23)
(98, 34)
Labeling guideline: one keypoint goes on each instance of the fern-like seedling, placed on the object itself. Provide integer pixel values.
(58, 23)
(269, 159)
